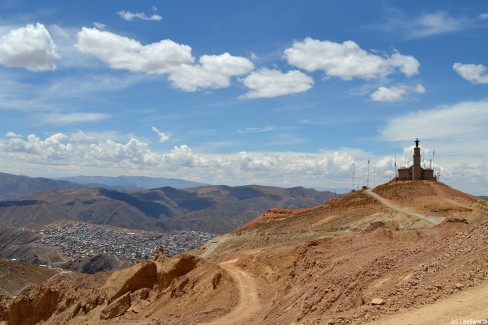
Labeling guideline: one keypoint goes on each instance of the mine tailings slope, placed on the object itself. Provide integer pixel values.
(395, 205)
(357, 258)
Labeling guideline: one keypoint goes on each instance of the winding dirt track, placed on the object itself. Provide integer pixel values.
(248, 296)
(400, 209)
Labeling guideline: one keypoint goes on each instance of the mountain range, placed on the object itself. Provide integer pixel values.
(16, 186)
(215, 209)
(139, 182)
(405, 252)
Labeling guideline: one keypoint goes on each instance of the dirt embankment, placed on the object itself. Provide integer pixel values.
(179, 289)
(401, 205)
(337, 279)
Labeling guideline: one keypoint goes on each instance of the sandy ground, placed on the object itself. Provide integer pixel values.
(466, 307)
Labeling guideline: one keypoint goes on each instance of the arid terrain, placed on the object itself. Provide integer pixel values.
(411, 252)
(213, 209)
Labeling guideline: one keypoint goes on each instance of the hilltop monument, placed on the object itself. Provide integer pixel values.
(416, 172)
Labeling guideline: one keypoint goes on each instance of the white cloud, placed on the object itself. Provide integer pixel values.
(30, 47)
(163, 137)
(99, 26)
(76, 153)
(130, 16)
(267, 83)
(457, 134)
(258, 130)
(121, 52)
(475, 73)
(212, 72)
(462, 125)
(395, 93)
(12, 135)
(407, 64)
(392, 94)
(483, 16)
(419, 89)
(58, 31)
(425, 25)
(82, 153)
(73, 118)
(347, 60)
(164, 57)
(434, 24)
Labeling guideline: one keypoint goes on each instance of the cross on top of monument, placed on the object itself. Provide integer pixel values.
(417, 143)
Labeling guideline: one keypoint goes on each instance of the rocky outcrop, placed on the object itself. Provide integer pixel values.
(80, 298)
(4, 301)
(171, 268)
(130, 280)
(117, 307)
(34, 305)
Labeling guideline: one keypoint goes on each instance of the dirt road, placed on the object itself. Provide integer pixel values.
(248, 296)
(391, 205)
(466, 307)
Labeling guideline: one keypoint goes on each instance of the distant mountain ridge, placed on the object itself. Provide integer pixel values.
(214, 209)
(133, 181)
(17, 186)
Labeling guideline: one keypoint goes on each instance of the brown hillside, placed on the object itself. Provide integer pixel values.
(404, 247)
(399, 205)
(16, 276)
(214, 209)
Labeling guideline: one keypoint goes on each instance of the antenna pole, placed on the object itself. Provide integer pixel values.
(353, 170)
(367, 179)
(396, 169)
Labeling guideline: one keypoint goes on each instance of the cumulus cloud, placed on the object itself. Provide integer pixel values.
(475, 73)
(80, 152)
(347, 60)
(164, 57)
(395, 93)
(94, 154)
(130, 16)
(11, 134)
(163, 137)
(266, 83)
(121, 52)
(212, 72)
(30, 47)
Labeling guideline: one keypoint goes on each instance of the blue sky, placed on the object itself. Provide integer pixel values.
(284, 93)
